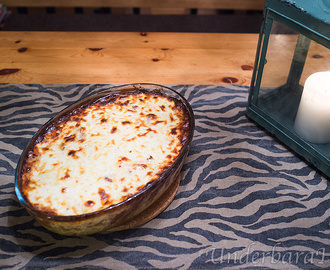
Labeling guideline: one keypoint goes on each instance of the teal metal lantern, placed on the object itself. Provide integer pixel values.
(290, 88)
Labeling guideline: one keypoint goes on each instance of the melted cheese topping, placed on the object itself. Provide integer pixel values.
(104, 153)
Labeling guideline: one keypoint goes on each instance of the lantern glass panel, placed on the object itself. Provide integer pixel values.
(290, 58)
(281, 46)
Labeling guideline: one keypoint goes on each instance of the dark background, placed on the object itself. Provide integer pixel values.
(50, 19)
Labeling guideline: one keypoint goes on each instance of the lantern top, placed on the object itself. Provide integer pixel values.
(313, 15)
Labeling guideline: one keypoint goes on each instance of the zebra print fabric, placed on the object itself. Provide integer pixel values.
(244, 202)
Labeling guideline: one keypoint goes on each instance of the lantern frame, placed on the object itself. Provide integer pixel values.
(311, 20)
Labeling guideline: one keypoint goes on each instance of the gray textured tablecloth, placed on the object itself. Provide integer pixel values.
(245, 201)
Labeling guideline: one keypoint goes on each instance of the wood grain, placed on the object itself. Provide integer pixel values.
(117, 57)
(163, 58)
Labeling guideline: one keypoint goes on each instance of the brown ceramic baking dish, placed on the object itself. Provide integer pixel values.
(117, 215)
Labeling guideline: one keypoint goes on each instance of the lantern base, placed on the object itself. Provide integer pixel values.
(276, 111)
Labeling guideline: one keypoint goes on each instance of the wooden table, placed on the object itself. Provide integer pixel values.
(117, 57)
(162, 58)
(244, 200)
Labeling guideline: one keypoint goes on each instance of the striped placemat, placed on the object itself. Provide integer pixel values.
(244, 202)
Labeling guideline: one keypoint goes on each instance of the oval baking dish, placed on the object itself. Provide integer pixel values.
(115, 215)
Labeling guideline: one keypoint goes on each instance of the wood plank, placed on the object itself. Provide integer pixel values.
(208, 4)
(96, 57)
(163, 58)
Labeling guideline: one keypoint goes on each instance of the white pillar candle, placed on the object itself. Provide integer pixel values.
(313, 117)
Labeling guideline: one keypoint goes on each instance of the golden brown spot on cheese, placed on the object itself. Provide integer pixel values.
(113, 130)
(143, 134)
(141, 166)
(89, 203)
(125, 197)
(125, 103)
(106, 178)
(140, 188)
(66, 175)
(103, 120)
(35, 152)
(45, 209)
(126, 122)
(160, 122)
(95, 134)
(72, 153)
(123, 159)
(103, 195)
(173, 131)
(63, 190)
(152, 116)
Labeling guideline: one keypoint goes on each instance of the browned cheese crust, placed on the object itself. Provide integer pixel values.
(104, 152)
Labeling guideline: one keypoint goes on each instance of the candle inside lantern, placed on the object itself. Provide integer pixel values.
(313, 117)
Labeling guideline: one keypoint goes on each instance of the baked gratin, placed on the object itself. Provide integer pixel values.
(104, 152)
